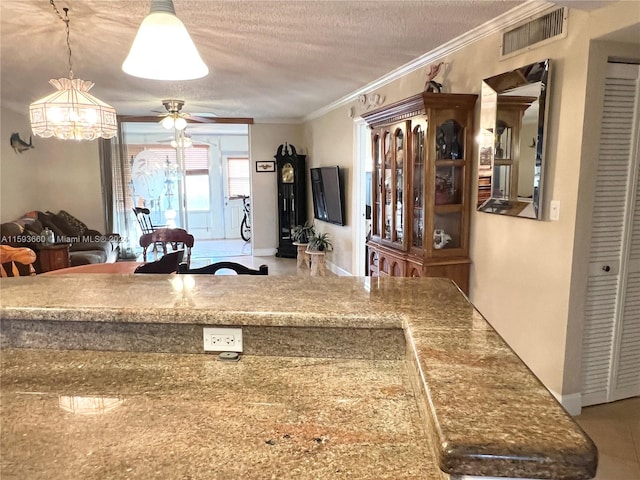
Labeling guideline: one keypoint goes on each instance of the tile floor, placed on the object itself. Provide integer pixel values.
(615, 429)
(205, 252)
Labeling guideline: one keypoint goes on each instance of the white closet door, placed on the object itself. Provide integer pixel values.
(611, 341)
(626, 367)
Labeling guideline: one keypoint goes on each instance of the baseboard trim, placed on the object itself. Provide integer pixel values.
(264, 252)
(572, 403)
(337, 270)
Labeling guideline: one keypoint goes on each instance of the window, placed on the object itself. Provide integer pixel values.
(197, 192)
(238, 184)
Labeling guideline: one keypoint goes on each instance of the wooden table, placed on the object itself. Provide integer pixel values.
(118, 267)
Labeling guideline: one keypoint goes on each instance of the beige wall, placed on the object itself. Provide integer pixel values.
(55, 175)
(522, 273)
(329, 140)
(264, 139)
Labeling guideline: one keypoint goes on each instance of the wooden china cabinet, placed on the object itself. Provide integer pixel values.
(422, 151)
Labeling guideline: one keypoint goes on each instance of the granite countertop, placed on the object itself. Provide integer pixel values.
(97, 415)
(487, 414)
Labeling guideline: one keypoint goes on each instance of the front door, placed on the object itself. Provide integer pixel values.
(236, 186)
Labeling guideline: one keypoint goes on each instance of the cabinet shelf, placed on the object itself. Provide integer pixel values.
(449, 208)
(450, 163)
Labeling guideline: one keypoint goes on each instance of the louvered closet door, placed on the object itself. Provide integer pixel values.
(611, 342)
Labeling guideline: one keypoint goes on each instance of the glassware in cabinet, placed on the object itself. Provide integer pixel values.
(398, 203)
(418, 157)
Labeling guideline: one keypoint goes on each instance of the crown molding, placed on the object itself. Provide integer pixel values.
(282, 120)
(507, 19)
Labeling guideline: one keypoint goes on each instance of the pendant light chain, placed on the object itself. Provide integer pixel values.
(66, 20)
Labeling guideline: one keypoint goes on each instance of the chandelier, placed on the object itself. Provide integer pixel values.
(71, 113)
(163, 49)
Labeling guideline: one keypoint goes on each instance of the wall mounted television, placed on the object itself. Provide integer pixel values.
(328, 194)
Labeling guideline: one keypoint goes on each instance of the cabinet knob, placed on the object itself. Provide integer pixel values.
(606, 268)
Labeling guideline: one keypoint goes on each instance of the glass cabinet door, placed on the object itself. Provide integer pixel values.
(418, 159)
(398, 204)
(448, 185)
(378, 191)
(388, 187)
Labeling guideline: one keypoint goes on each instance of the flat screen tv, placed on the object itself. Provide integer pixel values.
(328, 196)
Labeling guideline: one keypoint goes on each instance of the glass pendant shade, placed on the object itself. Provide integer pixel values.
(72, 113)
(163, 49)
(167, 122)
(180, 123)
(174, 121)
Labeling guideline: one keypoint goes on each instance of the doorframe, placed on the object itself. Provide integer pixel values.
(361, 153)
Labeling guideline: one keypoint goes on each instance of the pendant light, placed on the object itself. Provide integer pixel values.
(71, 113)
(163, 49)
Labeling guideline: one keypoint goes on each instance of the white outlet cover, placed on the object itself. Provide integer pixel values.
(222, 339)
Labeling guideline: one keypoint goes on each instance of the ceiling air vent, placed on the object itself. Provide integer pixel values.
(534, 33)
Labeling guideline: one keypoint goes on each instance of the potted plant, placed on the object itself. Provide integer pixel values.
(320, 242)
(303, 233)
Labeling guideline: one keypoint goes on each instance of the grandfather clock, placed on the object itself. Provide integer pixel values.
(292, 197)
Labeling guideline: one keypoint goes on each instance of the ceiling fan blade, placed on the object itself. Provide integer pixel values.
(243, 120)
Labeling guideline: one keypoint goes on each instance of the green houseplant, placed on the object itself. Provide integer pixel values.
(320, 242)
(303, 233)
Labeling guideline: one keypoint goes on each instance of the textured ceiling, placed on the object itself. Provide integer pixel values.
(267, 59)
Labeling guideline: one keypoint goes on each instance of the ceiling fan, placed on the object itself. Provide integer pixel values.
(179, 119)
(174, 118)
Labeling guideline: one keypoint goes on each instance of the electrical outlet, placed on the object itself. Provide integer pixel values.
(222, 339)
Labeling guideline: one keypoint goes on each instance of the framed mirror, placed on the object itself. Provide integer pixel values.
(512, 141)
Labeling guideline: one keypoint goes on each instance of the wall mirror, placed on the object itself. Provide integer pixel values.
(512, 141)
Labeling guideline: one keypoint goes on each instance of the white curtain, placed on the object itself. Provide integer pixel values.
(116, 173)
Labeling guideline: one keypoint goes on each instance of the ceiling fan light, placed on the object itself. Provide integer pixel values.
(167, 122)
(180, 123)
(182, 142)
(163, 49)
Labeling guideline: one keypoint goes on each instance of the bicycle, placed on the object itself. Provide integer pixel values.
(245, 225)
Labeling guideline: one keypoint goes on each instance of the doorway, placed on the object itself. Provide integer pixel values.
(362, 188)
(198, 187)
(611, 336)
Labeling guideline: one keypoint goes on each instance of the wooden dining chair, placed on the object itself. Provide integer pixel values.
(214, 267)
(167, 264)
(16, 261)
(176, 237)
(143, 216)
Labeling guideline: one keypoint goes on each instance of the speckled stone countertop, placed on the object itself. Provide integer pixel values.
(110, 415)
(486, 413)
